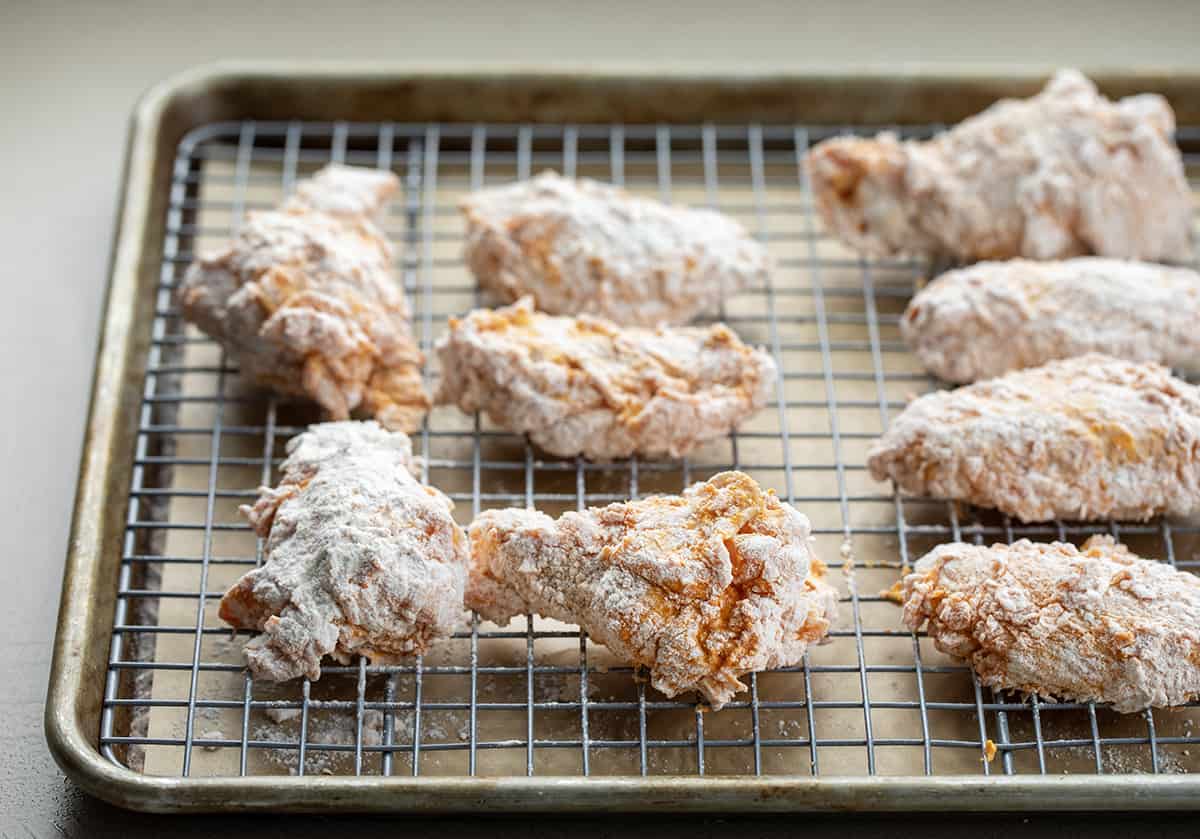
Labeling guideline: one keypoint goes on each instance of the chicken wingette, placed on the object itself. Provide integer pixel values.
(1065, 173)
(584, 247)
(1090, 624)
(1086, 438)
(583, 385)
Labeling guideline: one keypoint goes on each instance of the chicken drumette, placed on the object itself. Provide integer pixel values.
(361, 559)
(305, 301)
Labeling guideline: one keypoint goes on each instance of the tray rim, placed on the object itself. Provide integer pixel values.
(83, 634)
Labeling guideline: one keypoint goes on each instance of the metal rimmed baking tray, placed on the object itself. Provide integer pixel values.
(149, 707)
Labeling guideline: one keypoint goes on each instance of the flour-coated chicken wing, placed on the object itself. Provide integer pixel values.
(1090, 624)
(700, 588)
(1090, 437)
(993, 317)
(1064, 173)
(360, 558)
(304, 299)
(584, 247)
(582, 385)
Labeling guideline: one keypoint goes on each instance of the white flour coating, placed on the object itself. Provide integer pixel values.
(585, 386)
(1064, 173)
(305, 301)
(583, 247)
(982, 321)
(1086, 438)
(1097, 624)
(361, 559)
(700, 588)
(346, 191)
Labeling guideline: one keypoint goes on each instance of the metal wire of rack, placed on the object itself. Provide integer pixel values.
(540, 698)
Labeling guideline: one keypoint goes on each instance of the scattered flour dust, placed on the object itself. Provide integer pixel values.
(1117, 761)
(790, 728)
(337, 726)
(209, 730)
(1131, 759)
(555, 687)
(846, 551)
(211, 734)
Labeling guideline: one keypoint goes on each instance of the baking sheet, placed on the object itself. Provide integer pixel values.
(846, 373)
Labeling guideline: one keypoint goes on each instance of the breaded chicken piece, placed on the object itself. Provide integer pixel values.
(993, 317)
(1096, 624)
(585, 386)
(361, 559)
(699, 588)
(1086, 438)
(583, 247)
(1064, 173)
(304, 300)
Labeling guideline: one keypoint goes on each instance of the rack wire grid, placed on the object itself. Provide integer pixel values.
(537, 697)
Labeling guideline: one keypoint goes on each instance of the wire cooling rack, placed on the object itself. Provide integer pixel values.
(536, 697)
